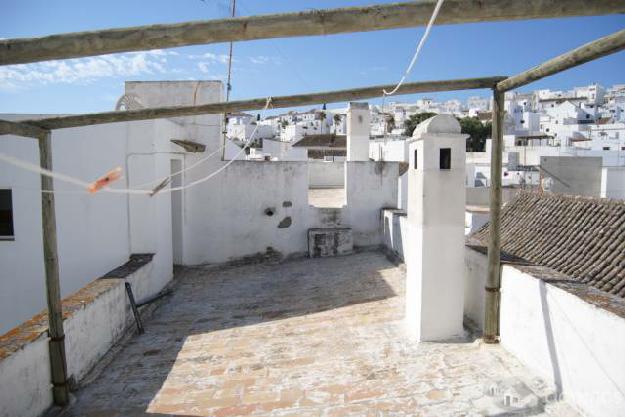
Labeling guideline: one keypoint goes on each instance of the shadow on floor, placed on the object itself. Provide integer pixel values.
(208, 301)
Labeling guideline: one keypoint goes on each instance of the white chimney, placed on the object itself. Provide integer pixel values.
(358, 127)
(436, 208)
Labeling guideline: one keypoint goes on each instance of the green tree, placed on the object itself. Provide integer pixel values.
(478, 133)
(414, 120)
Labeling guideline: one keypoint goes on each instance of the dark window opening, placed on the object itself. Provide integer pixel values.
(415, 159)
(6, 214)
(606, 148)
(445, 158)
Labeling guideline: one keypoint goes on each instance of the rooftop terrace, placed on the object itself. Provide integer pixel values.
(312, 337)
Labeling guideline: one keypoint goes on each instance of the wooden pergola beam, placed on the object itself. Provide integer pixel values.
(62, 122)
(588, 52)
(306, 23)
(492, 296)
(21, 129)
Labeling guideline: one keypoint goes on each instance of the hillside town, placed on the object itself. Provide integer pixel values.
(589, 118)
(380, 253)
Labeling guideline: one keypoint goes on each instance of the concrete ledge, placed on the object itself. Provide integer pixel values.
(95, 318)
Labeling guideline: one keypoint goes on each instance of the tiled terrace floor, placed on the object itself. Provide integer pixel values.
(306, 338)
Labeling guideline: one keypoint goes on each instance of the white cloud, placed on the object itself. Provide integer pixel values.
(259, 60)
(84, 70)
(211, 58)
(204, 67)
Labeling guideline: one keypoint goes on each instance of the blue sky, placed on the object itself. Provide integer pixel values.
(283, 66)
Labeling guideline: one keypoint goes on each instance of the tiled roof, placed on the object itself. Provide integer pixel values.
(580, 237)
(326, 140)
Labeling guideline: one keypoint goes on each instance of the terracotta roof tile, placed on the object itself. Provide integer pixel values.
(581, 237)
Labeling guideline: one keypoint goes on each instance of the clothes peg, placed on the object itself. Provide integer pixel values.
(111, 176)
(159, 187)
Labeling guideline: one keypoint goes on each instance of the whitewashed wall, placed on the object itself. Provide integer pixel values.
(476, 267)
(613, 182)
(563, 338)
(369, 186)
(326, 174)
(92, 230)
(89, 333)
(567, 340)
(225, 219)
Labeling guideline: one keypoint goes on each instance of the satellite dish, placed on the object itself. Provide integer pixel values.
(128, 102)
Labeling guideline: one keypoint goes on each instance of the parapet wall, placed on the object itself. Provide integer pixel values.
(95, 318)
(569, 333)
(257, 208)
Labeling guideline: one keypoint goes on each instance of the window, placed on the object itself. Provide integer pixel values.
(6, 215)
(415, 159)
(606, 148)
(445, 158)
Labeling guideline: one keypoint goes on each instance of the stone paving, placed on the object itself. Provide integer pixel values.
(307, 338)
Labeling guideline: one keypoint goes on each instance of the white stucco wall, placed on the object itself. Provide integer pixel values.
(25, 380)
(579, 175)
(89, 333)
(326, 174)
(98, 232)
(567, 340)
(395, 231)
(86, 224)
(613, 182)
(225, 220)
(94, 231)
(369, 187)
(476, 267)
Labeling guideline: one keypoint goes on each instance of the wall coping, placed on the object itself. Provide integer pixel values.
(587, 293)
(36, 327)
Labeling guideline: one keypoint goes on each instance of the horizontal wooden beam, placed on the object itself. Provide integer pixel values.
(306, 23)
(596, 49)
(61, 122)
(21, 129)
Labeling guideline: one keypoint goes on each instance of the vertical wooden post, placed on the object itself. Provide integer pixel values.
(493, 280)
(58, 364)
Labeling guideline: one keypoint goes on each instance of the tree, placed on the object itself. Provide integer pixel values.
(478, 133)
(414, 120)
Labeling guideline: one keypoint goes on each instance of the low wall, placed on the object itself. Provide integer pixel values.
(326, 174)
(257, 209)
(569, 340)
(395, 227)
(476, 266)
(572, 335)
(95, 318)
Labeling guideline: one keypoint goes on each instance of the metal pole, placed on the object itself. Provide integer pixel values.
(228, 88)
(133, 306)
(493, 279)
(58, 363)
